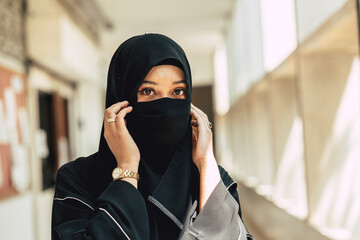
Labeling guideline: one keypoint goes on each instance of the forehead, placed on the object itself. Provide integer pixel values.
(165, 72)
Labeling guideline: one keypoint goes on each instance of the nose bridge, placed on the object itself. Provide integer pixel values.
(165, 95)
(165, 90)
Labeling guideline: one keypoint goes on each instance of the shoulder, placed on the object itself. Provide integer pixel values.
(69, 179)
(66, 170)
(70, 169)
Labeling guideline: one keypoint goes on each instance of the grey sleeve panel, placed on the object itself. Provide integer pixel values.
(218, 219)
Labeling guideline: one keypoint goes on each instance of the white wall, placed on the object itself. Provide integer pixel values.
(245, 48)
(311, 14)
(17, 217)
(278, 31)
(89, 108)
(43, 210)
(201, 68)
(57, 42)
(78, 52)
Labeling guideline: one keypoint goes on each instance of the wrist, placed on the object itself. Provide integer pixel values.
(132, 181)
(209, 178)
(125, 174)
(206, 163)
(132, 166)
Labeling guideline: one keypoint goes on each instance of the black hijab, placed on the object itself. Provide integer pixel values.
(170, 184)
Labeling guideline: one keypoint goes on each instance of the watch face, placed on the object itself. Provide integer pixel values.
(116, 173)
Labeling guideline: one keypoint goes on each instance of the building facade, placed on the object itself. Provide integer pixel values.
(52, 77)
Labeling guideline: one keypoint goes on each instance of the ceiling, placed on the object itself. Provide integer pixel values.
(197, 25)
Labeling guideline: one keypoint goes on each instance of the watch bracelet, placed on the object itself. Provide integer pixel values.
(125, 173)
(131, 174)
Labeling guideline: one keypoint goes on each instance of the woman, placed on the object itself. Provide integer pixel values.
(152, 178)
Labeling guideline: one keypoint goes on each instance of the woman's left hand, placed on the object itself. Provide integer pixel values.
(203, 155)
(202, 144)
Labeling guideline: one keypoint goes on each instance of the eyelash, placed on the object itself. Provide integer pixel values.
(142, 91)
(180, 89)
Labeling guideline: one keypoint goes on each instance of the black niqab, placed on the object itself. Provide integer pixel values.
(158, 127)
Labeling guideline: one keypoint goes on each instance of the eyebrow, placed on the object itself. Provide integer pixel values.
(154, 83)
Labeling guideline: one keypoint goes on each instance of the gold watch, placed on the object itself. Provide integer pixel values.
(119, 173)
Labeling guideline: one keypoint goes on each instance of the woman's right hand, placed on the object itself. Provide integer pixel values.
(118, 137)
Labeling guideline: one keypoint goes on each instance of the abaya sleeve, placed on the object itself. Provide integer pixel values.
(118, 213)
(220, 217)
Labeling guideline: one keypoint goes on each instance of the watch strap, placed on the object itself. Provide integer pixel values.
(120, 173)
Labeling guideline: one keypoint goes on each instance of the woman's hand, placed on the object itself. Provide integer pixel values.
(203, 155)
(202, 146)
(118, 137)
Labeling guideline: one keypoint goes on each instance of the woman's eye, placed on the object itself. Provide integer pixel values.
(147, 91)
(179, 92)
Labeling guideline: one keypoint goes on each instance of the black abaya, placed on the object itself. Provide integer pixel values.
(89, 205)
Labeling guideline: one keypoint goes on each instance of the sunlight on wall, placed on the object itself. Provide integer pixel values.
(221, 81)
(279, 31)
(78, 51)
(290, 184)
(339, 205)
(244, 44)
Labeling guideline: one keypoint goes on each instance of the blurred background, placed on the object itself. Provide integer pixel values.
(279, 79)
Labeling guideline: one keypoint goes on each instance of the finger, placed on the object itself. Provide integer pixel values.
(204, 115)
(115, 108)
(111, 112)
(201, 116)
(199, 119)
(194, 123)
(120, 121)
(200, 112)
(194, 139)
(109, 126)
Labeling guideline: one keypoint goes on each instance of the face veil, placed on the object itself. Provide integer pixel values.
(158, 127)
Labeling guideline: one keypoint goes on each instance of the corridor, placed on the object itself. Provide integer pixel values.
(279, 80)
